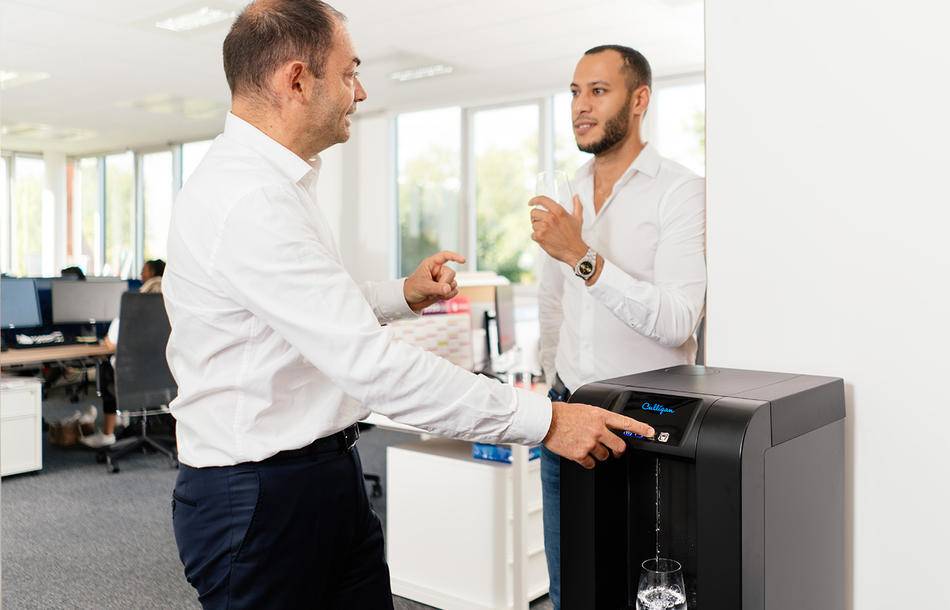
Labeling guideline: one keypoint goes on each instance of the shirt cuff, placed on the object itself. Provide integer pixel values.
(610, 278)
(532, 418)
(391, 304)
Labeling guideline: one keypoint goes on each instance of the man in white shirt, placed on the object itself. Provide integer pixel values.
(623, 286)
(278, 353)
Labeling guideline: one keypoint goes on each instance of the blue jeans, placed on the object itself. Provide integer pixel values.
(551, 502)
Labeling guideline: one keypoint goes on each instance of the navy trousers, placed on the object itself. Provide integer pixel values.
(294, 533)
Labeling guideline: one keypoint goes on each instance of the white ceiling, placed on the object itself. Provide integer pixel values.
(106, 59)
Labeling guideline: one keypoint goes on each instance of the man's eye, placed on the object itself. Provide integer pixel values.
(598, 91)
(573, 93)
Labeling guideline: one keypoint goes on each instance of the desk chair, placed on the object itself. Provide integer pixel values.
(143, 384)
(373, 479)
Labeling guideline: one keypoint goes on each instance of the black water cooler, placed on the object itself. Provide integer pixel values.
(751, 492)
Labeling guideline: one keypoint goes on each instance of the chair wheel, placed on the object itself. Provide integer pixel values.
(113, 469)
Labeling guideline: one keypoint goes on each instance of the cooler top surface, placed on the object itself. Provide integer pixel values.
(712, 381)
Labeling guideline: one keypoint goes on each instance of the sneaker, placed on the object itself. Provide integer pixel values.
(88, 415)
(98, 440)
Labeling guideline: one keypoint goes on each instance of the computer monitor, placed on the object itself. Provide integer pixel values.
(87, 302)
(20, 306)
(44, 290)
(505, 317)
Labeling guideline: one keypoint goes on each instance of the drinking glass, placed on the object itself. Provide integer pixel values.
(661, 586)
(557, 186)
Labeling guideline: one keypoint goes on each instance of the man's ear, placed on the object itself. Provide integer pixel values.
(641, 99)
(289, 80)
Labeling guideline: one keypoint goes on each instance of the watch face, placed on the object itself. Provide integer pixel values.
(586, 267)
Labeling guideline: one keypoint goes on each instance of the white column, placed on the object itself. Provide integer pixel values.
(54, 213)
(368, 216)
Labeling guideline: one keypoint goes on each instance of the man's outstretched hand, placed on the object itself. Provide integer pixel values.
(582, 433)
(432, 281)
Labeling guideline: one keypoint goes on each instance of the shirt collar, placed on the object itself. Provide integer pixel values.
(647, 162)
(271, 150)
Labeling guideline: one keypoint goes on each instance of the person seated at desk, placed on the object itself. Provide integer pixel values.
(151, 276)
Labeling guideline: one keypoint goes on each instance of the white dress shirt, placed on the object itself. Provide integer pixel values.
(274, 345)
(642, 312)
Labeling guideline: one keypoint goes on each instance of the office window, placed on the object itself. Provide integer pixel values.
(86, 214)
(428, 161)
(191, 155)
(681, 123)
(505, 143)
(5, 163)
(157, 177)
(29, 223)
(120, 216)
(567, 158)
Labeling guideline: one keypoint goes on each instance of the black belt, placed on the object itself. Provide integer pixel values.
(341, 442)
(560, 389)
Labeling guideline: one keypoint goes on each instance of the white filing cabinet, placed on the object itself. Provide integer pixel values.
(451, 525)
(21, 442)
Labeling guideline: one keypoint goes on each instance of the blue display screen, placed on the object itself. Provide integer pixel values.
(668, 415)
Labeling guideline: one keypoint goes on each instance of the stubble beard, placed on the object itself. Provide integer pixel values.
(615, 131)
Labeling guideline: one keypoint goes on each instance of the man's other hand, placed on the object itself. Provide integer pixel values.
(582, 433)
(432, 281)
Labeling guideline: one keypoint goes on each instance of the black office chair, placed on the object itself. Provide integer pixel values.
(376, 489)
(143, 384)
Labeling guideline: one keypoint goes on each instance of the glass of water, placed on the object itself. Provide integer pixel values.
(661, 586)
(557, 186)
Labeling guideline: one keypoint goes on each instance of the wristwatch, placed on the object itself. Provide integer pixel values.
(585, 267)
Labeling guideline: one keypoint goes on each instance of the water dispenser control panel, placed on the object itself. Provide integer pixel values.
(669, 416)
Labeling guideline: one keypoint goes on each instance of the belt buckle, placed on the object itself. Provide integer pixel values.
(350, 436)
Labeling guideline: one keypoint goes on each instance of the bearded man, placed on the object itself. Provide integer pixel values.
(623, 286)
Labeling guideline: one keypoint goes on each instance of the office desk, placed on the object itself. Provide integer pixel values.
(53, 353)
(412, 467)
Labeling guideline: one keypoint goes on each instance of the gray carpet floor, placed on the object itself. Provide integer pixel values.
(74, 536)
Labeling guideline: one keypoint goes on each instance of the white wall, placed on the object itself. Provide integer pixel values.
(828, 142)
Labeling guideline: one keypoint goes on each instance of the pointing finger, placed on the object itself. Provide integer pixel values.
(621, 422)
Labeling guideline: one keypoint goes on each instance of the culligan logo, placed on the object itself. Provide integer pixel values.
(656, 408)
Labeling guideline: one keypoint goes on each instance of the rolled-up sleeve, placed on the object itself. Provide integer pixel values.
(669, 308)
(301, 291)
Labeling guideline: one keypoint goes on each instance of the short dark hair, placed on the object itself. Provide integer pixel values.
(268, 34)
(156, 266)
(74, 272)
(635, 65)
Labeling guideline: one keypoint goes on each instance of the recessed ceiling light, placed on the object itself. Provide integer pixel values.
(10, 78)
(200, 18)
(42, 131)
(189, 107)
(421, 72)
